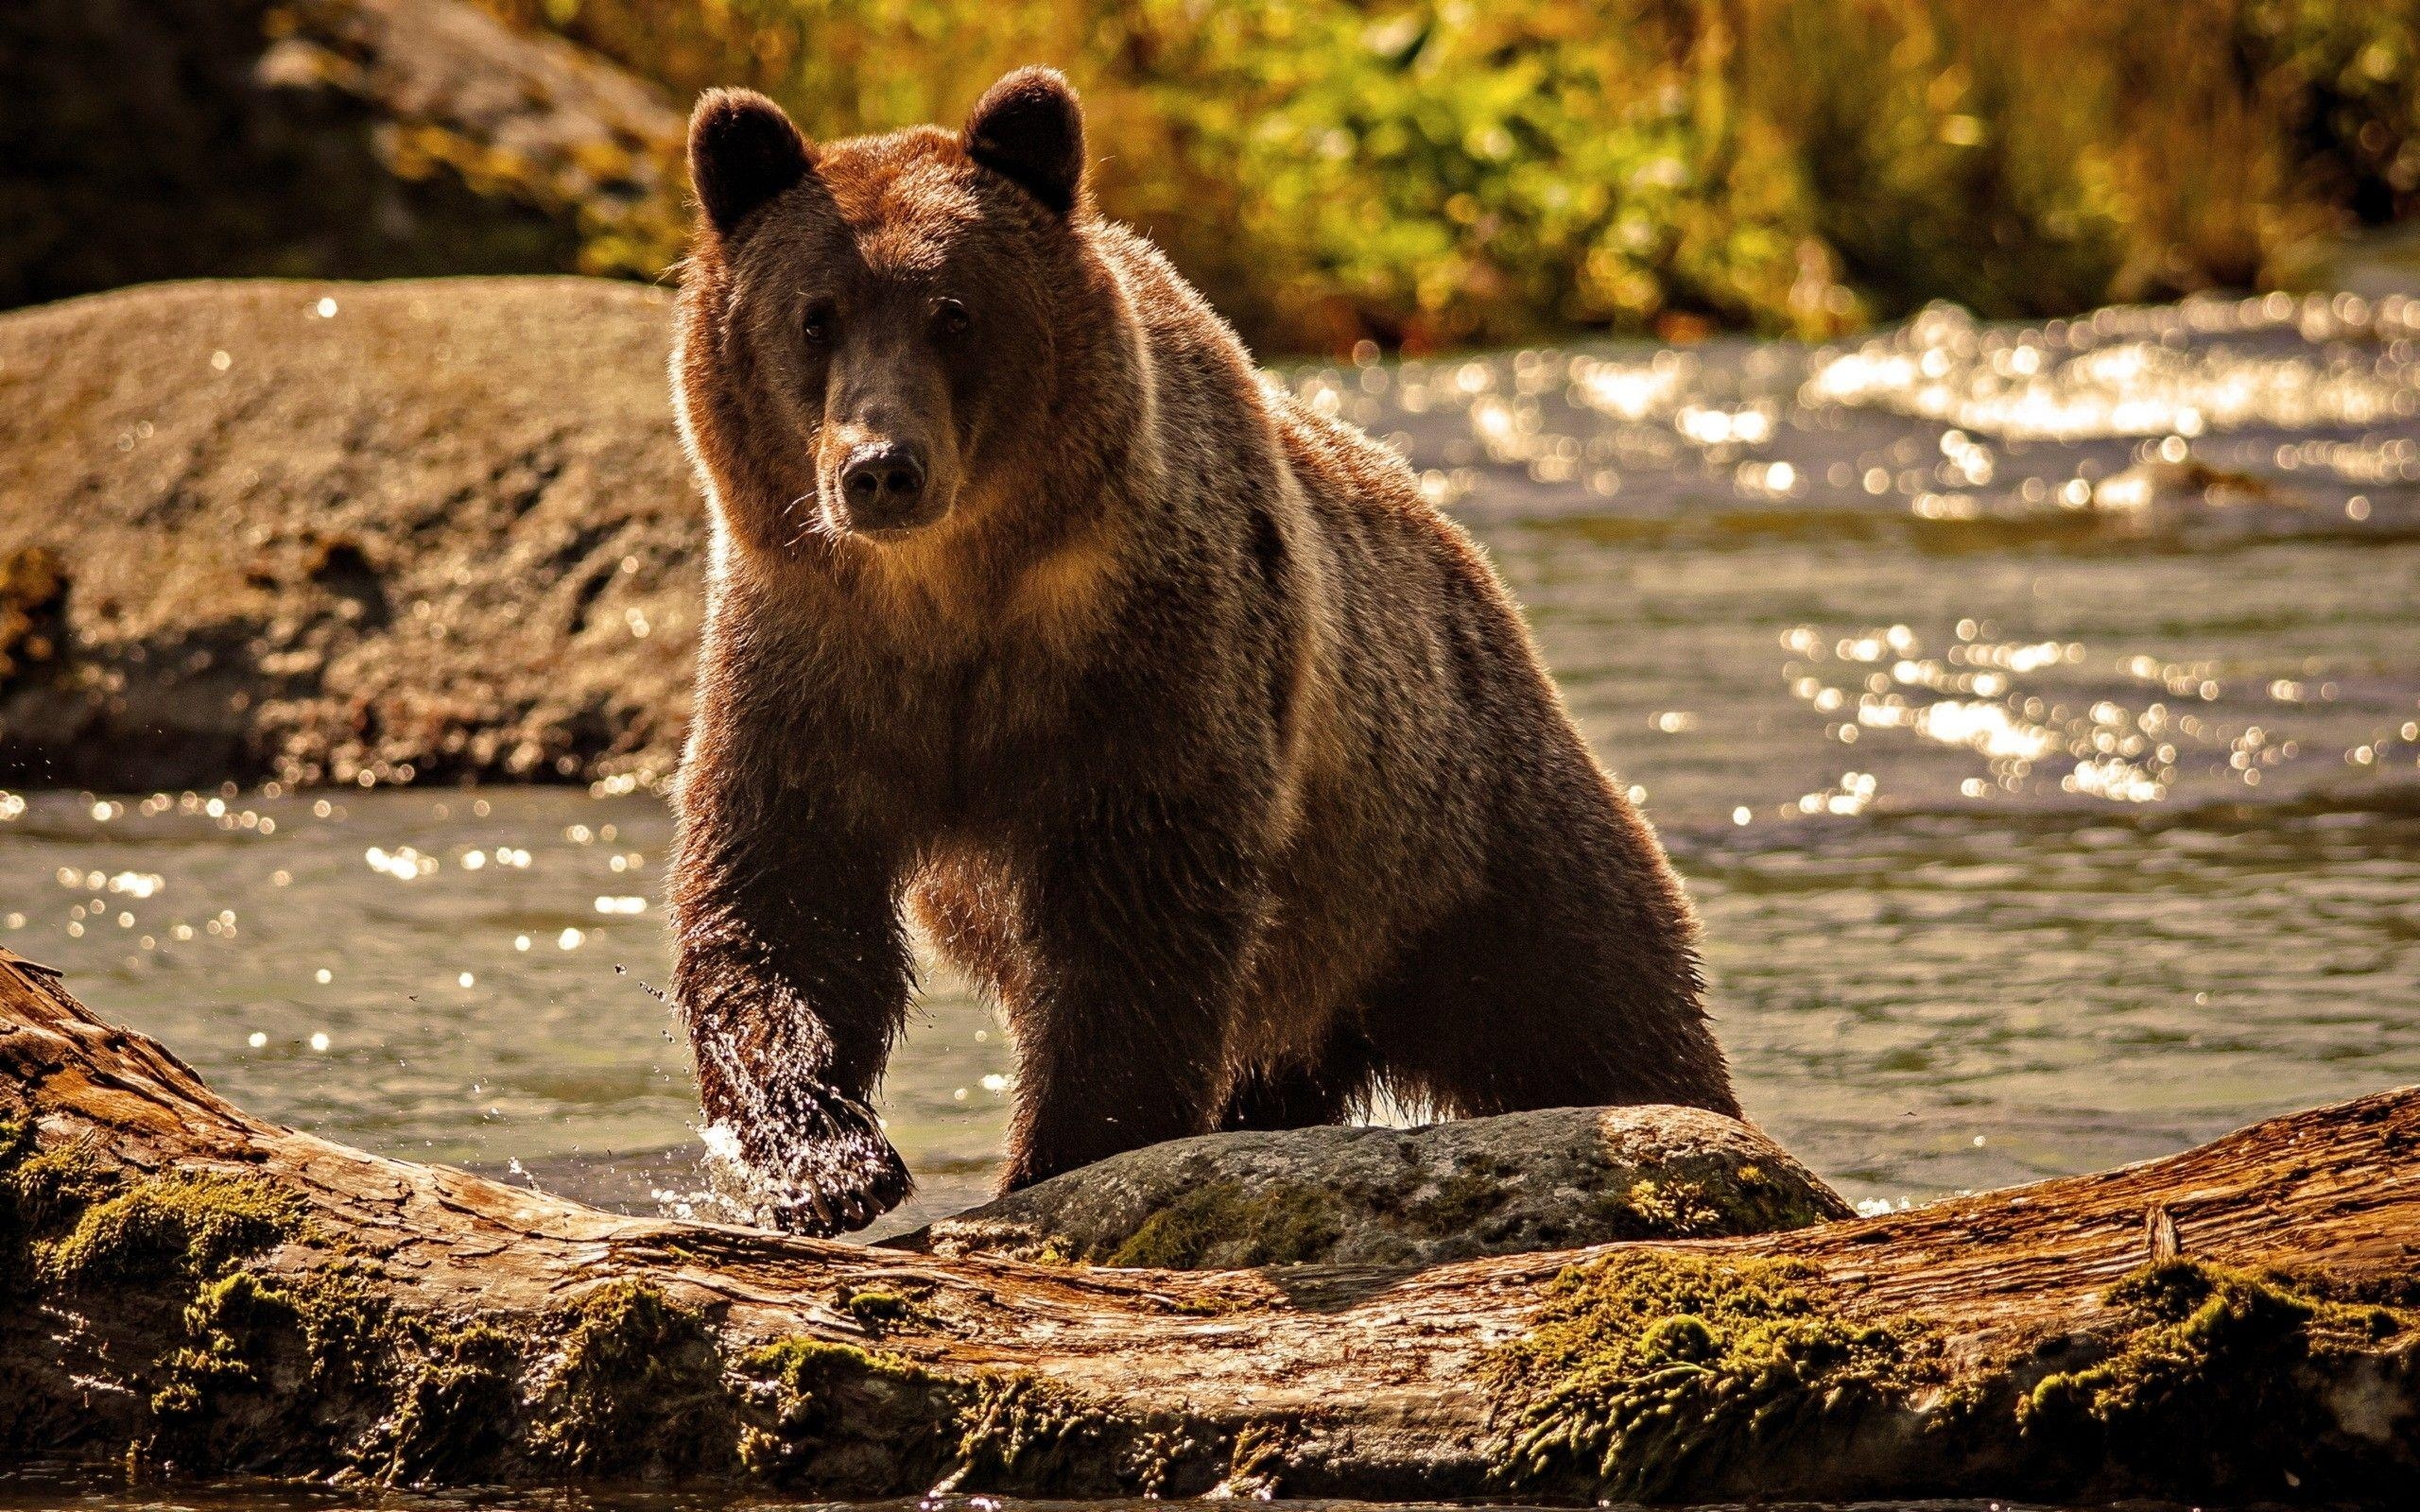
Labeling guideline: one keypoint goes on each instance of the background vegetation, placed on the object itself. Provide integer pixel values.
(1435, 174)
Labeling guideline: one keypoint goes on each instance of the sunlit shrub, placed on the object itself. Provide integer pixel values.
(1440, 173)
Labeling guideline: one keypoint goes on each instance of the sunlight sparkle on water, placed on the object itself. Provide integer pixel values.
(2124, 378)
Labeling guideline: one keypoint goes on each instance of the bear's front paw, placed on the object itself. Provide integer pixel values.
(843, 1203)
(821, 1166)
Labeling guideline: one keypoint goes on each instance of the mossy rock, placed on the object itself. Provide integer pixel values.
(1551, 1179)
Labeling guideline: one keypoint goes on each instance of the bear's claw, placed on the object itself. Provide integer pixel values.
(816, 1161)
(837, 1204)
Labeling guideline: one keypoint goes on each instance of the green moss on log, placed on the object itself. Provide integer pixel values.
(44, 1190)
(183, 1226)
(270, 1365)
(16, 1258)
(2226, 1383)
(843, 1421)
(316, 1373)
(1027, 1435)
(1644, 1368)
(832, 1419)
(456, 1407)
(877, 1308)
(636, 1389)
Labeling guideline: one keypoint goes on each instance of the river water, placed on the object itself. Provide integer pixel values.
(2033, 712)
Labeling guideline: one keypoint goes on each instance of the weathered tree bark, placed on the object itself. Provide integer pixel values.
(187, 1288)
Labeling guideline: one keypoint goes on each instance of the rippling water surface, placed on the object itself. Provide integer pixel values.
(2035, 713)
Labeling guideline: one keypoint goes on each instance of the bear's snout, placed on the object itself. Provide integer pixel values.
(882, 486)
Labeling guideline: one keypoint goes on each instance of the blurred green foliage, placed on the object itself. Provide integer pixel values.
(1440, 173)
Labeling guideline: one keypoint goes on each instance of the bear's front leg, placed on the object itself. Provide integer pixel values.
(792, 975)
(1139, 920)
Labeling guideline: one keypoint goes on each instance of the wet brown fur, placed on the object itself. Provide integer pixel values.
(1186, 727)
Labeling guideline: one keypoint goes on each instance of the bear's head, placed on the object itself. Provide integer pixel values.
(875, 331)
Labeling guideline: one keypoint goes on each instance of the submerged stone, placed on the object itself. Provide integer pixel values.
(1551, 1179)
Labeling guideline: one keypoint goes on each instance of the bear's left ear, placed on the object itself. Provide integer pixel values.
(1029, 128)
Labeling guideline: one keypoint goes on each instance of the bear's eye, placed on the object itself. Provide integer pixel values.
(815, 324)
(952, 317)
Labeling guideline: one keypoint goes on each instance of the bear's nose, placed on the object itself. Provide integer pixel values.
(883, 479)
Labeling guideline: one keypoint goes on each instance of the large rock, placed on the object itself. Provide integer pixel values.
(1554, 1179)
(151, 139)
(324, 532)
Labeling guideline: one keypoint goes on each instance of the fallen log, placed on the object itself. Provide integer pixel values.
(187, 1289)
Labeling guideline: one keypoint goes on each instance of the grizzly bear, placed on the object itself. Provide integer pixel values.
(1184, 724)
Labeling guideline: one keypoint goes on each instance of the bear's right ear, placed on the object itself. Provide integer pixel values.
(742, 152)
(1029, 128)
